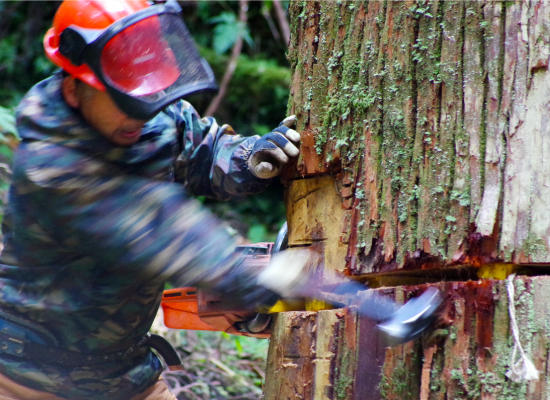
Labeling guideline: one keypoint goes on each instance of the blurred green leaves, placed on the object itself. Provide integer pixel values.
(7, 122)
(217, 365)
(255, 104)
(257, 233)
(22, 60)
(227, 30)
(9, 139)
(8, 55)
(257, 96)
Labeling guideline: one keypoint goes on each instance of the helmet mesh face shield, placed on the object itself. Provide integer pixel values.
(153, 59)
(146, 61)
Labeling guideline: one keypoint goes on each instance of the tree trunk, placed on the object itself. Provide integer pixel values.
(424, 127)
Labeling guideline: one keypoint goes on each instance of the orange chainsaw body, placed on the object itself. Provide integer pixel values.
(181, 310)
(196, 309)
(189, 308)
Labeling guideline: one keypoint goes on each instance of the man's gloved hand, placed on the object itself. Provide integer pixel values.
(271, 151)
(287, 273)
(286, 276)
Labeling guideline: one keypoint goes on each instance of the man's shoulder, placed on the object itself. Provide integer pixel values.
(181, 110)
(42, 112)
(43, 92)
(54, 150)
(43, 162)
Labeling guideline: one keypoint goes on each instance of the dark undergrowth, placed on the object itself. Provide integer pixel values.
(217, 366)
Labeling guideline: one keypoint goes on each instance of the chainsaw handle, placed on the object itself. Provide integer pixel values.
(281, 243)
(256, 325)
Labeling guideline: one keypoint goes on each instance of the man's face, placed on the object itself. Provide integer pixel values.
(100, 111)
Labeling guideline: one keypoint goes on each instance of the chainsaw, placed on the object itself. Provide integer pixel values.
(196, 309)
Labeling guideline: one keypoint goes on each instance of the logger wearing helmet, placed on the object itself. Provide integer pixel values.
(98, 216)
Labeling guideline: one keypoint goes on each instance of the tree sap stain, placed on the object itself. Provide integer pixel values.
(484, 310)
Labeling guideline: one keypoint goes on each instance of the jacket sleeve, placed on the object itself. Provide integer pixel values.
(125, 222)
(213, 159)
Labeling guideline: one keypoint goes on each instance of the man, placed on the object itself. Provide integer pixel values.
(98, 217)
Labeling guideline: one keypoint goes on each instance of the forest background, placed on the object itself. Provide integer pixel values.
(252, 37)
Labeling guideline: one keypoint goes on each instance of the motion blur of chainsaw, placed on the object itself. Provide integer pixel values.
(195, 309)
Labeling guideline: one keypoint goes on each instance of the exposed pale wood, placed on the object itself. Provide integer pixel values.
(494, 154)
(327, 325)
(539, 38)
(309, 222)
(525, 236)
(517, 182)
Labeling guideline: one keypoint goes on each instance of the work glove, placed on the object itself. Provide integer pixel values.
(288, 273)
(273, 150)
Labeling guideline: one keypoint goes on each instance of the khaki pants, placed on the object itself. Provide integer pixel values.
(9, 390)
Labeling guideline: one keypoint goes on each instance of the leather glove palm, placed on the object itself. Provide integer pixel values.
(273, 150)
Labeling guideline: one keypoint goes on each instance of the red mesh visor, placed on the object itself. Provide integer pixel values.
(153, 58)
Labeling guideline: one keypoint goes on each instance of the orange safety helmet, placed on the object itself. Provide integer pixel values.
(90, 14)
(141, 54)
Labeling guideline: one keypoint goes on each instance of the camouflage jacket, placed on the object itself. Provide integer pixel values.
(93, 231)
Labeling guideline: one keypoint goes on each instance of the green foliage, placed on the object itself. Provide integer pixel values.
(7, 54)
(227, 30)
(257, 217)
(7, 122)
(257, 95)
(257, 233)
(255, 103)
(9, 140)
(22, 60)
(217, 366)
(263, 45)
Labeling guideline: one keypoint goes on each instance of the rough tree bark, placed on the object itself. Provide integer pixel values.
(425, 126)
